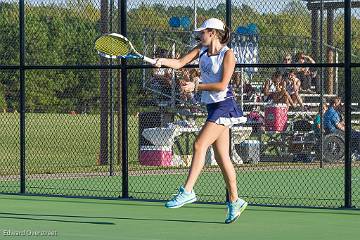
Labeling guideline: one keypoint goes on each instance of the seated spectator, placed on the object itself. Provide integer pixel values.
(271, 86)
(275, 91)
(318, 118)
(332, 117)
(308, 76)
(293, 88)
(162, 77)
(247, 89)
(184, 77)
(161, 80)
(236, 80)
(286, 60)
(334, 124)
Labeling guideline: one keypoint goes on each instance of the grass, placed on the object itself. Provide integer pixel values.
(56, 143)
(59, 144)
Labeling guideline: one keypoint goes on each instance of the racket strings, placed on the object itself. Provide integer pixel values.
(112, 46)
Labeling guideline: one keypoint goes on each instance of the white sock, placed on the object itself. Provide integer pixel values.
(241, 201)
(186, 192)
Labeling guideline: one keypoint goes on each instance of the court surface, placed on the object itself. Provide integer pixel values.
(74, 218)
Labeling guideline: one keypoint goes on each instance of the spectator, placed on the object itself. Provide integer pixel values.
(247, 89)
(274, 90)
(308, 76)
(189, 75)
(334, 124)
(271, 86)
(183, 78)
(161, 80)
(318, 118)
(332, 118)
(286, 60)
(236, 80)
(293, 87)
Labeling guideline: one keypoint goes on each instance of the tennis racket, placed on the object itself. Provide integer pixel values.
(114, 45)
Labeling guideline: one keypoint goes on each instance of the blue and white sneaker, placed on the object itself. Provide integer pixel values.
(234, 210)
(181, 199)
(355, 156)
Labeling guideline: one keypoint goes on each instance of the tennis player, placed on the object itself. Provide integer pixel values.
(217, 64)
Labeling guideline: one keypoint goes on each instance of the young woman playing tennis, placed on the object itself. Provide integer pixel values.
(217, 63)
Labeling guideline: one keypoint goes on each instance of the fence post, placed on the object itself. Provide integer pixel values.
(228, 24)
(347, 70)
(228, 14)
(125, 172)
(22, 97)
(111, 98)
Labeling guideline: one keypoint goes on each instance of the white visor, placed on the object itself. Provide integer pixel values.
(213, 23)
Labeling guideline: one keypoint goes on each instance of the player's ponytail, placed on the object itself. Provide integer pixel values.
(224, 36)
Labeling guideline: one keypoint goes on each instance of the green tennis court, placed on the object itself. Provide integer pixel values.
(70, 218)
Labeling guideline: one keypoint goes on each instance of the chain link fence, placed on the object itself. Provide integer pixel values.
(74, 110)
(9, 146)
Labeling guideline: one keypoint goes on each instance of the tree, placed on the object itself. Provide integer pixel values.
(64, 34)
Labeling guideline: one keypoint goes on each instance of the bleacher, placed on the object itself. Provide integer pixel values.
(311, 102)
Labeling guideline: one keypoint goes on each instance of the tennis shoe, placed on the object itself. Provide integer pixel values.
(355, 156)
(181, 198)
(234, 210)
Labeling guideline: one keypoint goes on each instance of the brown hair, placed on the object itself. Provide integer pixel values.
(334, 100)
(224, 35)
(276, 74)
(321, 107)
(287, 55)
(299, 56)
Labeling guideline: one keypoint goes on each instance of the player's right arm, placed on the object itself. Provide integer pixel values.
(180, 62)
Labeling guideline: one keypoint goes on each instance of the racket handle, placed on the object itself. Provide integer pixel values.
(149, 60)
